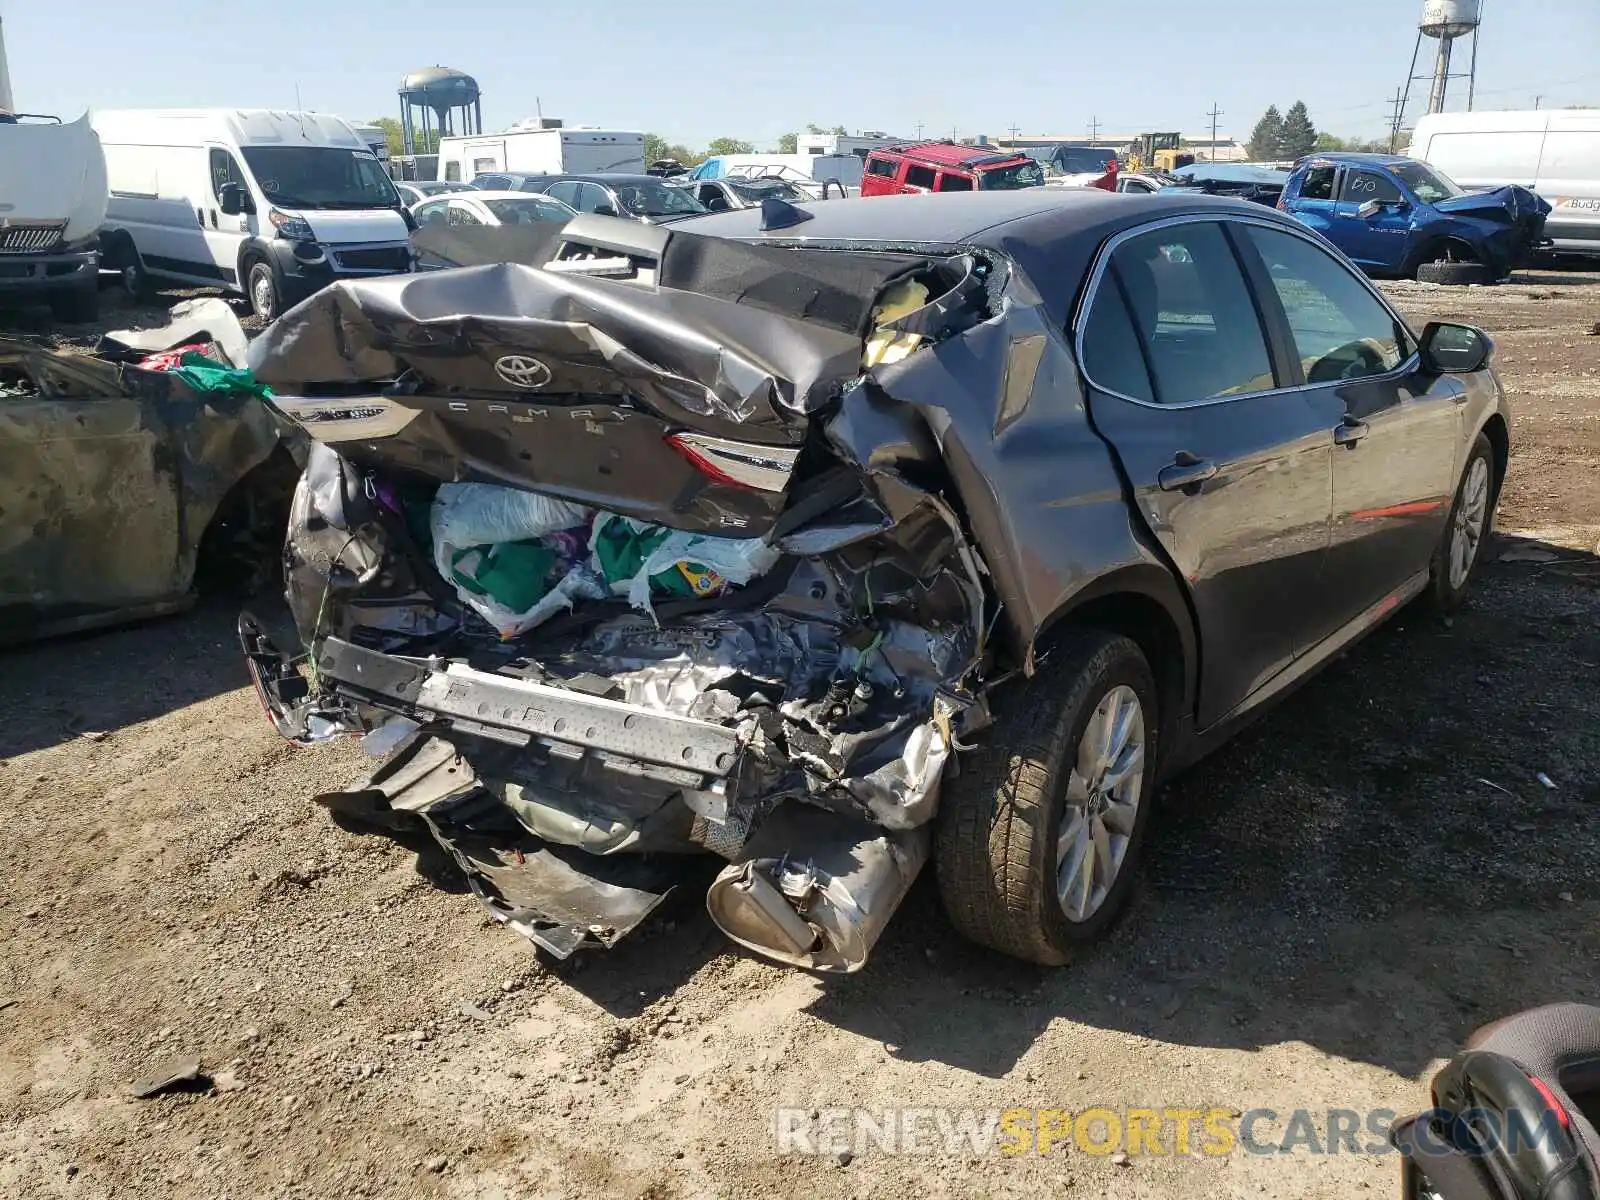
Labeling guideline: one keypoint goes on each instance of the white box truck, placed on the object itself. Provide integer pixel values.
(1554, 152)
(549, 151)
(270, 204)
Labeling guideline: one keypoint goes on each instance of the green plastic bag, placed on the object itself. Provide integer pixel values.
(514, 574)
(208, 375)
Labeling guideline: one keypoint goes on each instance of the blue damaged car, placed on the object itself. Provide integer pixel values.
(1398, 217)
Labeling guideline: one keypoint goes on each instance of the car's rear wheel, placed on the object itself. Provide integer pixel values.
(1040, 834)
(1471, 518)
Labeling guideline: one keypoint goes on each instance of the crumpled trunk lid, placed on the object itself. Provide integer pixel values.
(683, 405)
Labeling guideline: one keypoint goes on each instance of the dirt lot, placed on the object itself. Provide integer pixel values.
(1331, 904)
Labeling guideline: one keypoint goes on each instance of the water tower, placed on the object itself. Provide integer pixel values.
(451, 98)
(1445, 20)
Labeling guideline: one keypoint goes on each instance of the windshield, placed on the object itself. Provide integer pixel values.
(1008, 179)
(651, 198)
(528, 210)
(760, 189)
(320, 177)
(1427, 184)
(1084, 160)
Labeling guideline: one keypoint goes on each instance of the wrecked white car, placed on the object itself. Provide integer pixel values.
(667, 544)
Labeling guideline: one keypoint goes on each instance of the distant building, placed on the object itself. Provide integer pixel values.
(1224, 149)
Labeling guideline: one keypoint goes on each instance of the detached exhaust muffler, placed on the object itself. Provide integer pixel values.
(816, 890)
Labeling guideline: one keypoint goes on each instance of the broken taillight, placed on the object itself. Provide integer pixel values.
(744, 465)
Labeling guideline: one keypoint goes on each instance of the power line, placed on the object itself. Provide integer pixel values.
(1214, 114)
(1399, 103)
(1094, 128)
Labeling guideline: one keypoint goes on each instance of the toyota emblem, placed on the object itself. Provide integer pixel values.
(522, 372)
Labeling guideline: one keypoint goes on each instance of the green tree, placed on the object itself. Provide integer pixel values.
(1267, 136)
(392, 133)
(657, 147)
(1299, 134)
(789, 143)
(728, 145)
(396, 137)
(1329, 144)
(838, 129)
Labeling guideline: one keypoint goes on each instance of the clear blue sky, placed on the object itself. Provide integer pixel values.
(754, 69)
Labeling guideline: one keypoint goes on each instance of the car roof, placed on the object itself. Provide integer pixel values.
(487, 194)
(951, 154)
(1371, 160)
(1053, 234)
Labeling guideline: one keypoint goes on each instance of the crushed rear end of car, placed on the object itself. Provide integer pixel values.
(627, 554)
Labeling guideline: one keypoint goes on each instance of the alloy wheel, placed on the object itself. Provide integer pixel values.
(1471, 515)
(1102, 803)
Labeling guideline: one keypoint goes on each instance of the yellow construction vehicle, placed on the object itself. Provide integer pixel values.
(1158, 152)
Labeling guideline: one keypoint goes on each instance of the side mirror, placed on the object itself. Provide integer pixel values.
(1454, 349)
(232, 200)
(1369, 210)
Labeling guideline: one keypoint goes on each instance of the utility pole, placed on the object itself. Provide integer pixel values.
(1537, 99)
(919, 131)
(1014, 130)
(1397, 116)
(1214, 114)
(1094, 129)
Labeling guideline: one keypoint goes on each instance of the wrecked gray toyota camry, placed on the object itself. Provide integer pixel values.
(674, 544)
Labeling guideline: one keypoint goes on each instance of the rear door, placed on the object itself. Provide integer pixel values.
(1312, 202)
(1375, 238)
(1230, 472)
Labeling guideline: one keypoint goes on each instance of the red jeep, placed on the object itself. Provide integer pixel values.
(947, 167)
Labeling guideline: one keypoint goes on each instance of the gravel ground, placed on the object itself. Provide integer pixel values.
(1331, 903)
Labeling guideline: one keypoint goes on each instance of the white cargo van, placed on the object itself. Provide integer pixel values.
(1554, 152)
(273, 205)
(551, 151)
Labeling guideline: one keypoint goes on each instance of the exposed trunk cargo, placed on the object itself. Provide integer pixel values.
(588, 556)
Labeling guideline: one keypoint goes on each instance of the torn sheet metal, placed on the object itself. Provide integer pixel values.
(109, 478)
(188, 322)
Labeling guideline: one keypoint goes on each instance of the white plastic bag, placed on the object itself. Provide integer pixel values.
(481, 514)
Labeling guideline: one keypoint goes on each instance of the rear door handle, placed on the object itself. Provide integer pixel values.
(1186, 471)
(1351, 432)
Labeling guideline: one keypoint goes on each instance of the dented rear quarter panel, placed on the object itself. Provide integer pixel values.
(1041, 489)
(108, 479)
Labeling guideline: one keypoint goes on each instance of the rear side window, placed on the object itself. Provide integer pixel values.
(881, 167)
(1112, 355)
(1361, 186)
(950, 182)
(1318, 184)
(1193, 312)
(921, 177)
(452, 172)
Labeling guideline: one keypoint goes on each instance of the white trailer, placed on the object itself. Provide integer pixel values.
(550, 151)
(859, 145)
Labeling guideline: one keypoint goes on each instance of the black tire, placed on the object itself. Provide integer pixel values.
(1443, 595)
(999, 819)
(131, 275)
(78, 306)
(262, 290)
(1454, 273)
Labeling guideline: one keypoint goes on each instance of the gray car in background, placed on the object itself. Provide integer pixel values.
(1042, 495)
